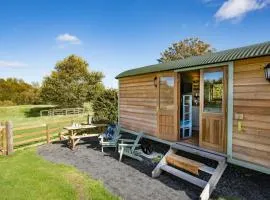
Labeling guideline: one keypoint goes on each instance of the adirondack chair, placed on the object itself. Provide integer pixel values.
(129, 148)
(111, 143)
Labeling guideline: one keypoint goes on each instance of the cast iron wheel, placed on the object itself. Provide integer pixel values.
(147, 147)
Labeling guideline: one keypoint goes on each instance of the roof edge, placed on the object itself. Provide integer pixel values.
(250, 51)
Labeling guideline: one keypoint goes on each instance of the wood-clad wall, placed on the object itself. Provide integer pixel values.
(251, 128)
(138, 103)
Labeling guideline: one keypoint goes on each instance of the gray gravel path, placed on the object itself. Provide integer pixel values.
(132, 180)
(119, 178)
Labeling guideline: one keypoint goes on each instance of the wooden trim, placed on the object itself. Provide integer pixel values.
(118, 106)
(249, 165)
(201, 106)
(158, 105)
(202, 67)
(230, 109)
(225, 108)
(178, 104)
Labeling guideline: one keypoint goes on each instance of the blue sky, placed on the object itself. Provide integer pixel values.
(116, 35)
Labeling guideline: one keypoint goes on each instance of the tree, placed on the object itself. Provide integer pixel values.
(16, 91)
(185, 48)
(71, 83)
(105, 106)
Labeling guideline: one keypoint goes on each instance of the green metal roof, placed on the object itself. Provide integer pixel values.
(256, 50)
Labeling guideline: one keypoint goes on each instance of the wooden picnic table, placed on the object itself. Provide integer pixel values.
(74, 135)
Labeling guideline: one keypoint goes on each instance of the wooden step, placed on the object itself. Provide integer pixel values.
(192, 166)
(188, 164)
(187, 177)
(198, 151)
(184, 163)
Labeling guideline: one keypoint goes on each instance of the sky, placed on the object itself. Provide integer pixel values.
(117, 35)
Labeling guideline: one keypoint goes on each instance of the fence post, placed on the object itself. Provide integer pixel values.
(48, 134)
(3, 138)
(9, 133)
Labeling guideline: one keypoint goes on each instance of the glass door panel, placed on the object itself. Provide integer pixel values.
(213, 91)
(166, 93)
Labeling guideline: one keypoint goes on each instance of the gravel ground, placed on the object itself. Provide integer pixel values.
(132, 180)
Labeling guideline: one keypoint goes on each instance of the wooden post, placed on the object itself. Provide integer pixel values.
(9, 136)
(2, 139)
(48, 134)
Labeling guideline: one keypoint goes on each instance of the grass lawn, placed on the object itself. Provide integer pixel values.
(25, 175)
(28, 114)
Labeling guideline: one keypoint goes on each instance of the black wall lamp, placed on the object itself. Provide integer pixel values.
(267, 72)
(155, 81)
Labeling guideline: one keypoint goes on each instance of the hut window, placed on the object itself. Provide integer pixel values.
(166, 92)
(213, 91)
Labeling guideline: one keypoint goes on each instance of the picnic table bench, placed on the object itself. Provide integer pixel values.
(74, 133)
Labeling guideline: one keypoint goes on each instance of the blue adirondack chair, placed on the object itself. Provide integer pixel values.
(110, 138)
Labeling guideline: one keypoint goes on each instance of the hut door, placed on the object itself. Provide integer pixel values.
(213, 94)
(167, 115)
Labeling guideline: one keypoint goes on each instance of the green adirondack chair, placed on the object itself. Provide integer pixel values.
(129, 148)
(110, 143)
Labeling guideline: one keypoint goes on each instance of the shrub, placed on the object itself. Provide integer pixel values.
(7, 103)
(105, 106)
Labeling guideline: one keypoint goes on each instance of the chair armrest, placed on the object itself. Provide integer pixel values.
(128, 145)
(101, 138)
(127, 140)
(118, 137)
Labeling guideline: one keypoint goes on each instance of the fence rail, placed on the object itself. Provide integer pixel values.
(21, 136)
(63, 111)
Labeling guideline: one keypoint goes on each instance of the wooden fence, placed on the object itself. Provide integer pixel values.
(12, 138)
(64, 111)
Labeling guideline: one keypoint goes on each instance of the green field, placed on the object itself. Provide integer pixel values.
(29, 114)
(25, 175)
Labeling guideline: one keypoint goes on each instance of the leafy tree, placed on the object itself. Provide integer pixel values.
(105, 106)
(16, 91)
(71, 83)
(185, 48)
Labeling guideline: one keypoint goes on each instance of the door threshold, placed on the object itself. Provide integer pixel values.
(201, 149)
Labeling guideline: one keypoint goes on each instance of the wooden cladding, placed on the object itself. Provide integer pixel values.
(148, 104)
(251, 135)
(138, 103)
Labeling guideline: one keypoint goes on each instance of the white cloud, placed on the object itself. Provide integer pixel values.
(4, 63)
(69, 39)
(236, 9)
